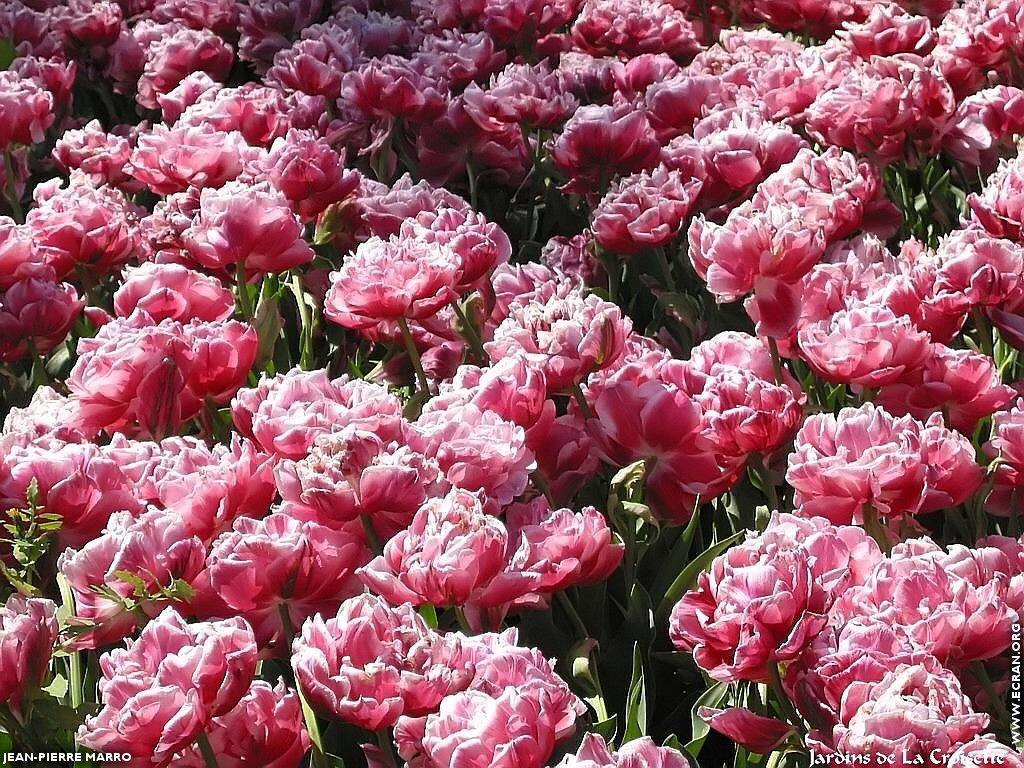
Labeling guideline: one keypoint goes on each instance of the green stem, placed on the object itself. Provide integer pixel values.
(244, 299)
(74, 657)
(574, 616)
(994, 701)
(319, 760)
(306, 318)
(782, 699)
(209, 756)
(469, 332)
(760, 472)
(387, 746)
(773, 348)
(984, 331)
(371, 534)
(577, 393)
(414, 354)
(460, 617)
(11, 188)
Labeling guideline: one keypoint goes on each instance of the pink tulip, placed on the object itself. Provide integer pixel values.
(77, 227)
(479, 245)
(962, 384)
(477, 450)
(285, 414)
(372, 663)
(567, 338)
(449, 554)
(764, 601)
(248, 227)
(170, 160)
(971, 604)
(156, 550)
(514, 713)
(863, 345)
(94, 152)
(645, 210)
(177, 51)
(915, 713)
(28, 632)
(264, 728)
(984, 126)
(257, 112)
(264, 569)
(999, 207)
(638, 753)
(172, 291)
(864, 458)
(178, 677)
(532, 96)
(26, 110)
(887, 31)
(400, 278)
(351, 473)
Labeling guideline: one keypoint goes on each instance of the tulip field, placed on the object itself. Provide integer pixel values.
(511, 383)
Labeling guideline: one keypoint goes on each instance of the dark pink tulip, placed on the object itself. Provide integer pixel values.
(565, 453)
(599, 143)
(309, 172)
(757, 733)
(636, 27)
(394, 88)
(78, 482)
(521, 95)
(172, 291)
(28, 632)
(574, 258)
(180, 675)
(36, 314)
(1007, 443)
(268, 26)
(285, 414)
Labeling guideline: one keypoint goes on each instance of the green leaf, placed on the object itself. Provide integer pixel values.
(699, 730)
(429, 614)
(688, 577)
(636, 702)
(7, 52)
(58, 688)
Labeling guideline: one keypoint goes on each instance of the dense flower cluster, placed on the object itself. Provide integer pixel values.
(512, 383)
